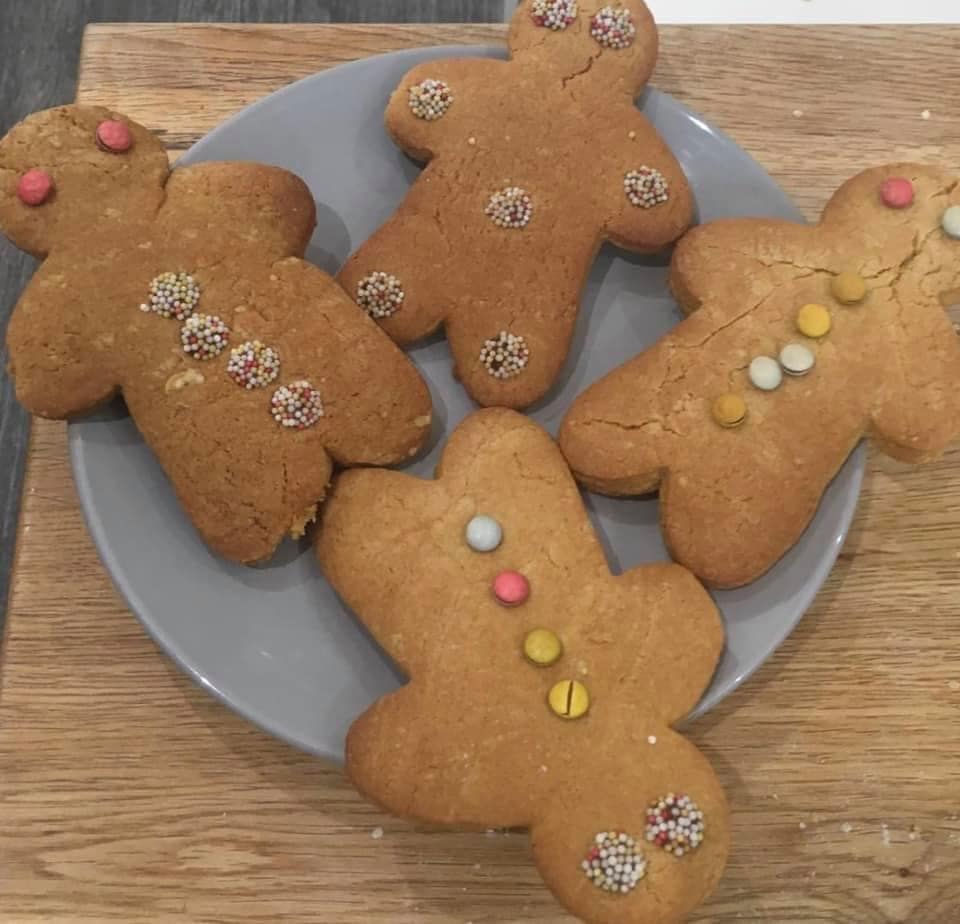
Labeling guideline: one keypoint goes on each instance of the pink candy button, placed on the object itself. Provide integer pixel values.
(897, 193)
(511, 588)
(34, 187)
(114, 136)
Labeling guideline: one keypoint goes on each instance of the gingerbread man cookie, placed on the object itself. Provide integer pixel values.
(542, 688)
(533, 163)
(248, 371)
(800, 342)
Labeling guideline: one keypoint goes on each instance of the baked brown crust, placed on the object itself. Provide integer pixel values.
(77, 336)
(470, 741)
(733, 501)
(557, 120)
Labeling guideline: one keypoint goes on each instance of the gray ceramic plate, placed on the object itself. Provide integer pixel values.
(275, 643)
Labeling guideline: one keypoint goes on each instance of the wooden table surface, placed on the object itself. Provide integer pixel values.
(126, 794)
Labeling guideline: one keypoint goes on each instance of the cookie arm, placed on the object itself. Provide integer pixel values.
(424, 138)
(628, 148)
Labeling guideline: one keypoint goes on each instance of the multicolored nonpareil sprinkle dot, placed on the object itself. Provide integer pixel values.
(675, 823)
(505, 355)
(510, 208)
(430, 100)
(173, 295)
(253, 364)
(380, 295)
(554, 14)
(613, 27)
(296, 406)
(646, 187)
(614, 863)
(204, 336)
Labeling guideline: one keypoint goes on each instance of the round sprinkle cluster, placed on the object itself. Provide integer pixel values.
(380, 295)
(646, 187)
(675, 823)
(510, 208)
(554, 14)
(204, 336)
(430, 100)
(296, 406)
(614, 863)
(505, 355)
(613, 27)
(173, 295)
(253, 364)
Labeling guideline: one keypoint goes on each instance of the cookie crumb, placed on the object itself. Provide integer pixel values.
(798, 113)
(925, 115)
(632, 135)
(846, 827)
(802, 826)
(182, 379)
(651, 739)
(376, 833)
(954, 685)
(471, 140)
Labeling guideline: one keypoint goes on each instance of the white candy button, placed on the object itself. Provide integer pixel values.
(765, 373)
(951, 222)
(796, 359)
(484, 534)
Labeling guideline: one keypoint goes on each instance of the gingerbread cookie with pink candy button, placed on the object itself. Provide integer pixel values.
(542, 687)
(248, 371)
(533, 163)
(800, 342)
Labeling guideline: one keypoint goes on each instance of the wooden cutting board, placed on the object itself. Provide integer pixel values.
(127, 794)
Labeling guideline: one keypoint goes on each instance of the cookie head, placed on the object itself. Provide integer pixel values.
(606, 46)
(65, 170)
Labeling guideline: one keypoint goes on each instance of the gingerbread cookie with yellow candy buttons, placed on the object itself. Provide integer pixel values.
(248, 371)
(542, 687)
(533, 163)
(800, 341)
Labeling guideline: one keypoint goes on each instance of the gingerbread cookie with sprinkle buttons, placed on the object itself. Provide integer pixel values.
(800, 341)
(542, 687)
(533, 162)
(248, 371)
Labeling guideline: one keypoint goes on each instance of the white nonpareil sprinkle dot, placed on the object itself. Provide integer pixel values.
(554, 14)
(613, 27)
(505, 355)
(376, 833)
(430, 99)
(651, 739)
(204, 336)
(173, 295)
(296, 406)
(925, 115)
(614, 863)
(510, 208)
(380, 294)
(253, 364)
(646, 187)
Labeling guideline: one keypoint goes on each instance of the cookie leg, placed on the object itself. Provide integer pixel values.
(654, 886)
(410, 754)
(393, 276)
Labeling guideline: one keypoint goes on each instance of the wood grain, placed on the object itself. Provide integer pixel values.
(126, 794)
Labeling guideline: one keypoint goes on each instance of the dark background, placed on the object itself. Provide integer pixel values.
(39, 54)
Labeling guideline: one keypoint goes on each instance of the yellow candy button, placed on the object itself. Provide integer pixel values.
(848, 288)
(569, 699)
(729, 410)
(813, 321)
(542, 647)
